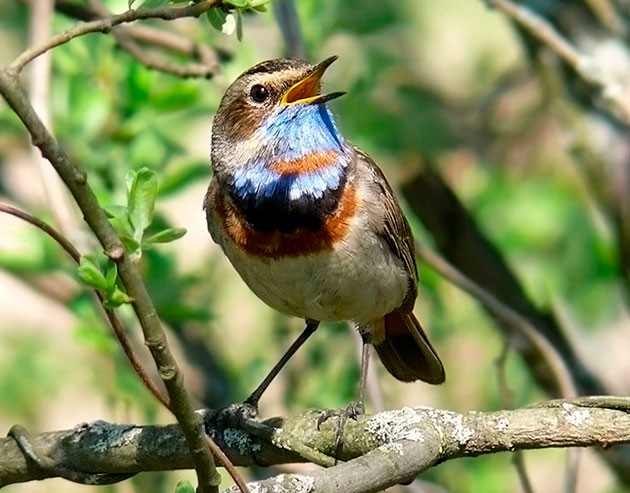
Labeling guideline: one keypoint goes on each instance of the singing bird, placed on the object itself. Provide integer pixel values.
(309, 221)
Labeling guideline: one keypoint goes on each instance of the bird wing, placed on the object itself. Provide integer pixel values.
(392, 226)
(209, 203)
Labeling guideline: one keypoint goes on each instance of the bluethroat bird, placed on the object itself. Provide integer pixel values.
(309, 221)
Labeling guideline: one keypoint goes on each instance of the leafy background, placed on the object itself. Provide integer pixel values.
(444, 83)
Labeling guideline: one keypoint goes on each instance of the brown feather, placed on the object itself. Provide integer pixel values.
(393, 227)
(406, 351)
(402, 344)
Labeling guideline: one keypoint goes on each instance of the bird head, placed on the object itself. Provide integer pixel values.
(282, 95)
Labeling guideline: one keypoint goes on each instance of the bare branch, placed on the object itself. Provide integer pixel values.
(507, 315)
(613, 94)
(127, 38)
(473, 255)
(105, 25)
(157, 62)
(381, 450)
(114, 321)
(155, 338)
(154, 38)
(289, 23)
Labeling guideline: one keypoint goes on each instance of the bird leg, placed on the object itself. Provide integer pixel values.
(366, 338)
(252, 400)
(357, 407)
(232, 415)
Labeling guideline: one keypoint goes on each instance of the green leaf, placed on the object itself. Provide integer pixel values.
(165, 236)
(117, 298)
(239, 4)
(91, 274)
(114, 210)
(184, 486)
(111, 276)
(122, 225)
(216, 17)
(131, 244)
(142, 195)
(130, 178)
(258, 5)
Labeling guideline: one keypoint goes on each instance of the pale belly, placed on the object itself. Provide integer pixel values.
(359, 280)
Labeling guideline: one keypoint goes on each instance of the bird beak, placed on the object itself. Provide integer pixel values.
(307, 90)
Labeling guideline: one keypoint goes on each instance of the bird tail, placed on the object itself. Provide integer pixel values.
(405, 350)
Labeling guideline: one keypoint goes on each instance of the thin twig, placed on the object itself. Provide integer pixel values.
(507, 315)
(613, 94)
(106, 24)
(154, 335)
(608, 15)
(157, 62)
(114, 321)
(152, 36)
(571, 470)
(289, 23)
(225, 461)
(127, 42)
(174, 42)
(507, 401)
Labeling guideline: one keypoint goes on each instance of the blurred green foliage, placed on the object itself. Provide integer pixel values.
(116, 117)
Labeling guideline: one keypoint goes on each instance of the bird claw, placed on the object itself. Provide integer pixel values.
(353, 411)
(232, 416)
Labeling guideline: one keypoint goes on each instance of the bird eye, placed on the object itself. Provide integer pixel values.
(259, 93)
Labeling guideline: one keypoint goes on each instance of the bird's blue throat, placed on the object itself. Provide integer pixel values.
(297, 178)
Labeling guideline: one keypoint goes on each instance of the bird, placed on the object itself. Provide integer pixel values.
(309, 221)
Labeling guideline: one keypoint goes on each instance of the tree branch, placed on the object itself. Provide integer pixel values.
(127, 38)
(157, 38)
(381, 450)
(106, 24)
(155, 338)
(613, 93)
(114, 321)
(459, 239)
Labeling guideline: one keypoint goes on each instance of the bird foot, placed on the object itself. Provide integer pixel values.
(353, 411)
(232, 416)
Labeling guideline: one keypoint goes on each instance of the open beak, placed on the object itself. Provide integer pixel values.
(307, 90)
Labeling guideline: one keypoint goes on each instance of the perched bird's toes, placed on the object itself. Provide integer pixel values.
(353, 411)
(233, 415)
(325, 416)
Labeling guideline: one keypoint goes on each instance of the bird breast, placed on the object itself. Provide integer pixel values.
(342, 271)
(289, 194)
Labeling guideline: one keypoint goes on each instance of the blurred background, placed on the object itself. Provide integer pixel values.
(505, 160)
